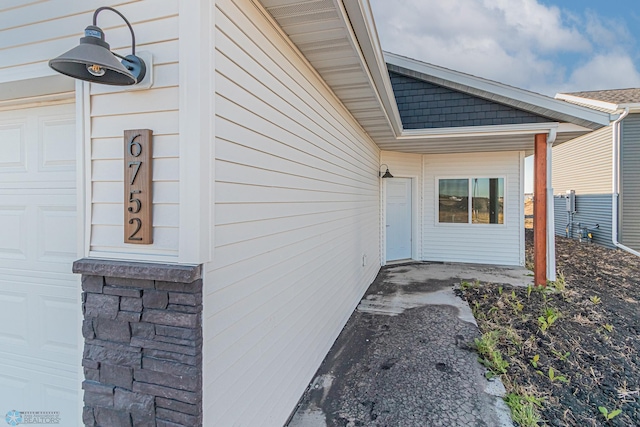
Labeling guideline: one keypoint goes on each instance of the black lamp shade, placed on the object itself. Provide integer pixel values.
(387, 174)
(94, 52)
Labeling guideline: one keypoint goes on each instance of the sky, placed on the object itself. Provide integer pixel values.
(546, 46)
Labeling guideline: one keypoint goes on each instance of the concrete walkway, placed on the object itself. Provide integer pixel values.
(404, 358)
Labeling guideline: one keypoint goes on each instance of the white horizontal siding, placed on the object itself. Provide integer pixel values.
(584, 164)
(35, 32)
(296, 208)
(406, 165)
(474, 243)
(112, 110)
(402, 164)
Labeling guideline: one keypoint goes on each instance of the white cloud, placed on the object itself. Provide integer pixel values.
(541, 26)
(518, 42)
(607, 33)
(606, 71)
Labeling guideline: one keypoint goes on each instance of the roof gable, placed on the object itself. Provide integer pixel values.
(520, 99)
(425, 105)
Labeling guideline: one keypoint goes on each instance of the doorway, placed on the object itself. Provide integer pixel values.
(398, 219)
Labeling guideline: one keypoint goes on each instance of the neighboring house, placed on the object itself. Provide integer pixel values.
(603, 168)
(270, 122)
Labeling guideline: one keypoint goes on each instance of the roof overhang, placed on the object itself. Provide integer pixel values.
(608, 107)
(480, 138)
(340, 41)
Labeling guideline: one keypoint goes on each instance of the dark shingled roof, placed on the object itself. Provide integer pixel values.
(614, 96)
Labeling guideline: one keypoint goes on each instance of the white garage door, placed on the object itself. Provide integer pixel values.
(39, 296)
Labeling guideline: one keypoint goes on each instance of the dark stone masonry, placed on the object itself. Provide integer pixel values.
(143, 344)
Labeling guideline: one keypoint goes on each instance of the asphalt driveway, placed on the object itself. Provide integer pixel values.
(405, 357)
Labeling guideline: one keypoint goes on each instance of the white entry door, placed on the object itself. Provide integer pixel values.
(398, 218)
(39, 296)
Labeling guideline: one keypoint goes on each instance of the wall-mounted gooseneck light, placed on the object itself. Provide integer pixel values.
(93, 60)
(387, 174)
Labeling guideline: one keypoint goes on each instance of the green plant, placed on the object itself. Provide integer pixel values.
(499, 290)
(609, 415)
(559, 284)
(561, 356)
(476, 310)
(556, 377)
(529, 289)
(524, 409)
(547, 319)
(518, 306)
(534, 361)
(608, 327)
(491, 357)
(512, 336)
(595, 299)
(464, 285)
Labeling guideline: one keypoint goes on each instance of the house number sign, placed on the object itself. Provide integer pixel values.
(137, 187)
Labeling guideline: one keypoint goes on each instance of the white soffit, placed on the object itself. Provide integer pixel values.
(339, 39)
(324, 34)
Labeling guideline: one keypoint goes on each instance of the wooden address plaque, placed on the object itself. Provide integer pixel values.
(138, 210)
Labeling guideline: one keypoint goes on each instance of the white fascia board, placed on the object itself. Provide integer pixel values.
(36, 86)
(634, 107)
(499, 89)
(471, 131)
(362, 30)
(587, 101)
(27, 71)
(570, 127)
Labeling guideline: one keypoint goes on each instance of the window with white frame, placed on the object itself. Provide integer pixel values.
(471, 200)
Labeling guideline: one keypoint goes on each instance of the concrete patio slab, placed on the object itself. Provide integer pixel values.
(405, 356)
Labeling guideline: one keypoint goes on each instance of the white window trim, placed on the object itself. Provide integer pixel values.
(469, 222)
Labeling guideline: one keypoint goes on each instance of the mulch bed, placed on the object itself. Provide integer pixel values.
(593, 347)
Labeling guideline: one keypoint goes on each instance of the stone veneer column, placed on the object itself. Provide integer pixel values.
(143, 343)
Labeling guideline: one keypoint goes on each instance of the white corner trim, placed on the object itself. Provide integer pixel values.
(83, 129)
(615, 128)
(196, 114)
(587, 101)
(499, 89)
(471, 131)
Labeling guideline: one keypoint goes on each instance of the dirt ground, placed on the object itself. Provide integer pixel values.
(528, 212)
(577, 344)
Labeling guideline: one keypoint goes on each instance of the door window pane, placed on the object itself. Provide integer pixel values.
(454, 200)
(487, 200)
